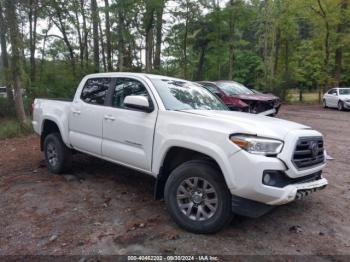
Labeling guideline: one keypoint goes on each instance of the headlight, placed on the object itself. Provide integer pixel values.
(258, 145)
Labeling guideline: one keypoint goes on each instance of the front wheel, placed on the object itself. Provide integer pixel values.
(324, 103)
(197, 197)
(340, 106)
(57, 155)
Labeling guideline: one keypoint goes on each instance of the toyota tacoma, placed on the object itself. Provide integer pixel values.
(209, 162)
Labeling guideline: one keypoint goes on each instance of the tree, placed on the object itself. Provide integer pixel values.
(120, 38)
(95, 22)
(159, 33)
(4, 55)
(108, 37)
(16, 70)
(341, 27)
(33, 19)
(148, 25)
(59, 18)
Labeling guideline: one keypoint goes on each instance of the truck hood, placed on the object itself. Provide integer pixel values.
(264, 126)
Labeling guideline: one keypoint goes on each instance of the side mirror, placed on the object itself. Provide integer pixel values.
(138, 102)
(335, 94)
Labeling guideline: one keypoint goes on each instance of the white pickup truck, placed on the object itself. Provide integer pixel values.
(209, 163)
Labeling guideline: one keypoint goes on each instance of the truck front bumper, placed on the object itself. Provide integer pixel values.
(249, 169)
(251, 208)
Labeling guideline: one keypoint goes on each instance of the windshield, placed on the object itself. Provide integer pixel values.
(182, 95)
(344, 91)
(233, 88)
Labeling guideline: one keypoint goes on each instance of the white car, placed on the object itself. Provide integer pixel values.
(3, 92)
(208, 162)
(338, 98)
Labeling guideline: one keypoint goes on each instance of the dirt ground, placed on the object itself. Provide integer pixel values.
(101, 208)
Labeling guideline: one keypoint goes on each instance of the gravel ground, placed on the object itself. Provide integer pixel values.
(101, 208)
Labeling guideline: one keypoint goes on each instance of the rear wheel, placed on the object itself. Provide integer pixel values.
(57, 155)
(324, 103)
(197, 197)
(340, 106)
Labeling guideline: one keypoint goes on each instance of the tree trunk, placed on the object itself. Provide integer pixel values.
(185, 41)
(149, 47)
(33, 18)
(148, 24)
(4, 55)
(86, 33)
(108, 38)
(95, 19)
(120, 40)
(102, 49)
(199, 75)
(15, 41)
(323, 14)
(80, 37)
(159, 26)
(231, 39)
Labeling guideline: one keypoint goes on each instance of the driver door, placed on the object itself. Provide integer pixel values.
(128, 133)
(333, 98)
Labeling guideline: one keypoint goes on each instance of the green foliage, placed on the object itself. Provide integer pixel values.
(6, 108)
(12, 128)
(271, 45)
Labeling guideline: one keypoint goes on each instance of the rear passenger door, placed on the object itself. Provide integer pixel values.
(128, 133)
(86, 116)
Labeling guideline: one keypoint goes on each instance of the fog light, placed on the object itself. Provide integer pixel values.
(267, 179)
(274, 178)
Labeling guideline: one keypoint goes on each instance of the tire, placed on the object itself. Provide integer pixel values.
(58, 156)
(198, 200)
(340, 106)
(324, 103)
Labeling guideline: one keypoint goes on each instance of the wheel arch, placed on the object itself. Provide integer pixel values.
(175, 156)
(49, 126)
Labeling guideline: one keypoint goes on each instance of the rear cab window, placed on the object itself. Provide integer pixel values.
(95, 90)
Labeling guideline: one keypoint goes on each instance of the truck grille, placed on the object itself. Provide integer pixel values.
(308, 152)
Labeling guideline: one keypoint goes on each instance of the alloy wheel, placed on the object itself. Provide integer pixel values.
(52, 154)
(197, 199)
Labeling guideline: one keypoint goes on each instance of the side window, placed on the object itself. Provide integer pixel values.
(210, 88)
(126, 87)
(95, 90)
(333, 92)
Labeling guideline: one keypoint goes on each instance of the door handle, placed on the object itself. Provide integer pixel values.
(107, 117)
(76, 112)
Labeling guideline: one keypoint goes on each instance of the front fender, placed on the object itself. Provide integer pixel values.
(217, 153)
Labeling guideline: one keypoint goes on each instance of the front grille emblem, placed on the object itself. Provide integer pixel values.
(308, 152)
(314, 148)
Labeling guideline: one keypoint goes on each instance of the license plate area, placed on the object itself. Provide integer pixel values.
(302, 193)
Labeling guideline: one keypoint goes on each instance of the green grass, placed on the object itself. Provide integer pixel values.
(12, 128)
(308, 97)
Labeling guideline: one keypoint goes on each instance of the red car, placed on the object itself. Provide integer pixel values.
(240, 98)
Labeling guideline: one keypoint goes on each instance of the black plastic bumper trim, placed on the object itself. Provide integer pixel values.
(249, 208)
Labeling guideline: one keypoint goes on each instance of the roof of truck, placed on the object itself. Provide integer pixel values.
(150, 76)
